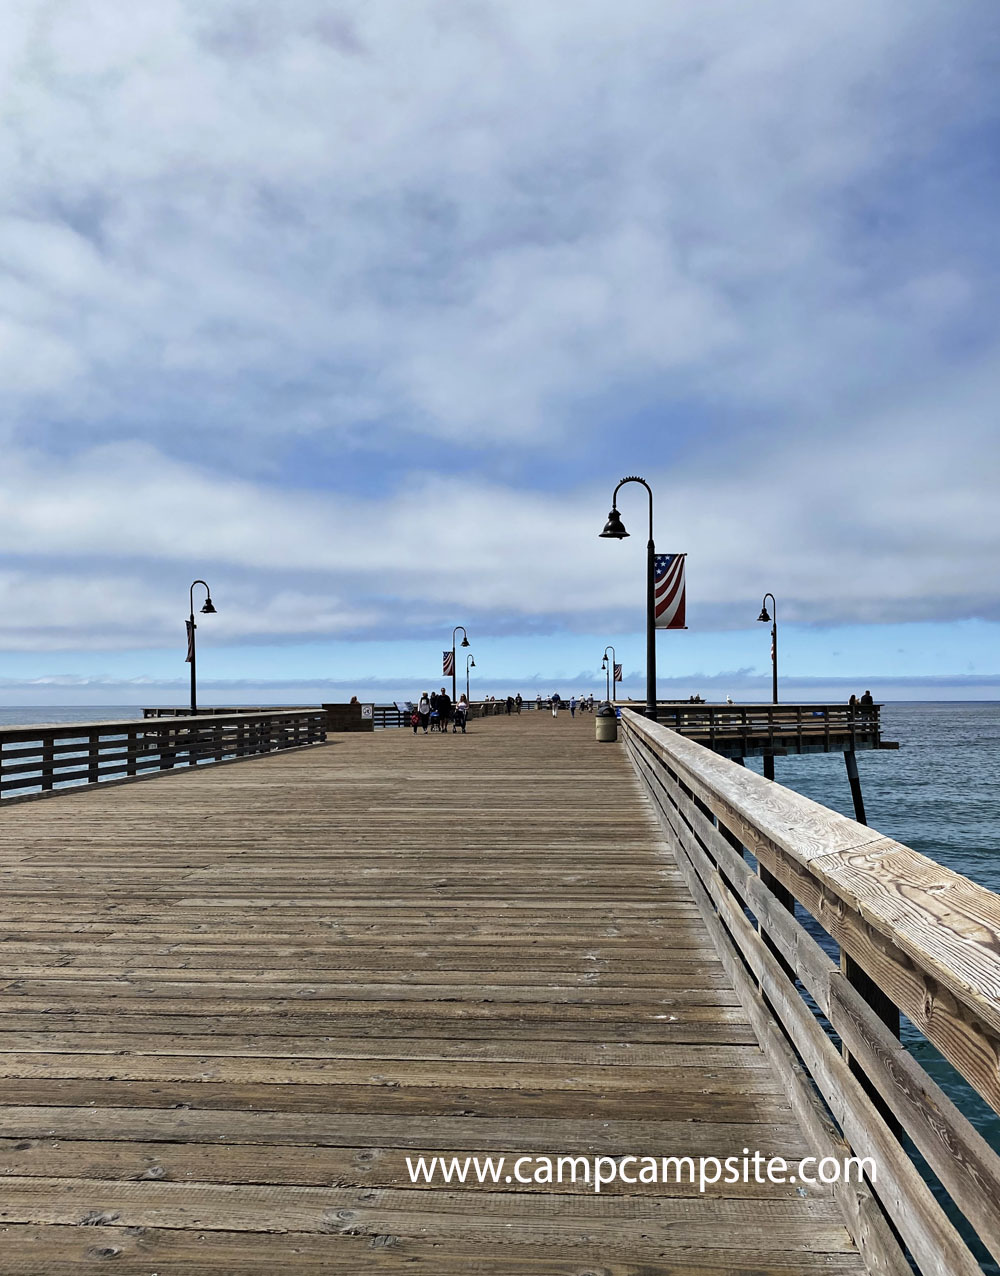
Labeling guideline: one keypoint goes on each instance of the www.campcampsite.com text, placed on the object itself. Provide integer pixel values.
(599, 1172)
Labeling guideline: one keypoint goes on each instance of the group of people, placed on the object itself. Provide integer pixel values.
(862, 705)
(433, 711)
(584, 703)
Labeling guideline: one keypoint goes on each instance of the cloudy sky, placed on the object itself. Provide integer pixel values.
(359, 310)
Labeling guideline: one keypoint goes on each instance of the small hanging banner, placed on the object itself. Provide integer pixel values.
(670, 588)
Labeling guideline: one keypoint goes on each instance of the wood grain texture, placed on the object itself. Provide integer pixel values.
(233, 1000)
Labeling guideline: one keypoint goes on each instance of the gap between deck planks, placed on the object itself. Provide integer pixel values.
(233, 1001)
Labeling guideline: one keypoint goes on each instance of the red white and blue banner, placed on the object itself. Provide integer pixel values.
(448, 663)
(190, 632)
(618, 673)
(670, 591)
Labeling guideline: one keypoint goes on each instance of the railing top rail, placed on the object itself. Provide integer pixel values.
(68, 730)
(946, 924)
(790, 706)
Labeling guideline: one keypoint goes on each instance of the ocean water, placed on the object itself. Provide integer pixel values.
(18, 715)
(938, 794)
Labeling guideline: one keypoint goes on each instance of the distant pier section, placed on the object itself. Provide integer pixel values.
(776, 730)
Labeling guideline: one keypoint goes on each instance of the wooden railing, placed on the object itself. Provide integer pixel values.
(911, 934)
(182, 711)
(46, 759)
(746, 730)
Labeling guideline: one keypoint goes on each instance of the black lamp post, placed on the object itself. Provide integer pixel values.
(774, 642)
(208, 609)
(614, 530)
(454, 666)
(773, 618)
(610, 672)
(469, 664)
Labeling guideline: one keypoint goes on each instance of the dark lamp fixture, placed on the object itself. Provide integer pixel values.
(613, 528)
(472, 664)
(209, 608)
(763, 614)
(465, 642)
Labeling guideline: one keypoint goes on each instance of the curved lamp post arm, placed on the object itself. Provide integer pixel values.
(208, 593)
(634, 478)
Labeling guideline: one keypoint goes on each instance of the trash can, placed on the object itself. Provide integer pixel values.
(606, 723)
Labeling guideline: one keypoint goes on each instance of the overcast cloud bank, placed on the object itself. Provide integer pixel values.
(360, 311)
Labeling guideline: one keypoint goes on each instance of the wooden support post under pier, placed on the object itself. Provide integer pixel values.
(854, 778)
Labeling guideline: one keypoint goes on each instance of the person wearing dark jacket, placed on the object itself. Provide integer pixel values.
(444, 710)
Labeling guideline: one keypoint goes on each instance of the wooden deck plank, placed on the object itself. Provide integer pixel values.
(232, 1002)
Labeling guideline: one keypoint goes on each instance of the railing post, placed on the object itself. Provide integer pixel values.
(131, 748)
(93, 755)
(48, 763)
(888, 1012)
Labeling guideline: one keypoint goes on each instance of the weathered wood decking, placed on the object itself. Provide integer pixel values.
(235, 1000)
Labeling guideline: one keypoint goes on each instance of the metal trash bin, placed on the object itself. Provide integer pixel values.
(606, 723)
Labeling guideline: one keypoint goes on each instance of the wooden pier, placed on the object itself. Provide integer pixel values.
(237, 998)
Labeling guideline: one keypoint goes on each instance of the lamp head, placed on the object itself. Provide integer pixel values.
(614, 528)
(465, 642)
(208, 608)
(604, 663)
(472, 663)
(763, 614)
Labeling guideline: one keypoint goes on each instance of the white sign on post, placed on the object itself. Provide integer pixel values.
(367, 711)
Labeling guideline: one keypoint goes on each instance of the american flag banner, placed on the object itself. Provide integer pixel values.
(618, 673)
(190, 633)
(448, 663)
(670, 592)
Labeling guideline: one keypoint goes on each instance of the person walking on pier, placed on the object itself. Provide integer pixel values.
(518, 702)
(867, 703)
(424, 710)
(555, 704)
(444, 711)
(461, 715)
(572, 706)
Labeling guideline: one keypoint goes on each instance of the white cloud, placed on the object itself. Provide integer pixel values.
(428, 226)
(889, 519)
(482, 213)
